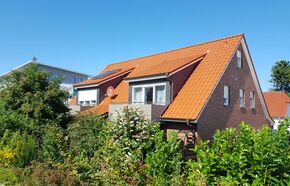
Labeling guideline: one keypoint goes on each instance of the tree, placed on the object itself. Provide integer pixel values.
(32, 94)
(281, 76)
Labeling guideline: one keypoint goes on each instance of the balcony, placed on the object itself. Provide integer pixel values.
(153, 111)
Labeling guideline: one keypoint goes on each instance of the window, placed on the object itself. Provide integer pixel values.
(160, 94)
(226, 95)
(81, 102)
(252, 100)
(242, 98)
(239, 59)
(87, 97)
(137, 95)
(93, 102)
(148, 94)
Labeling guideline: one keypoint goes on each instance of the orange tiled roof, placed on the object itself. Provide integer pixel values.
(192, 97)
(167, 66)
(277, 103)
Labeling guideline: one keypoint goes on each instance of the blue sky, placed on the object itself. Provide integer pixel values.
(87, 35)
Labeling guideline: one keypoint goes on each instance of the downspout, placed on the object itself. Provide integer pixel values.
(188, 123)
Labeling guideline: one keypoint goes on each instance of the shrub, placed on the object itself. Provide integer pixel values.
(16, 149)
(13, 121)
(7, 176)
(53, 144)
(163, 165)
(47, 173)
(245, 156)
(86, 135)
(133, 130)
(133, 153)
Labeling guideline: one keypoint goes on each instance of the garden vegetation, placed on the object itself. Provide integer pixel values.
(41, 144)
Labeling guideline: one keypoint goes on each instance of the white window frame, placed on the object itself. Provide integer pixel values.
(252, 100)
(143, 86)
(226, 95)
(239, 59)
(242, 98)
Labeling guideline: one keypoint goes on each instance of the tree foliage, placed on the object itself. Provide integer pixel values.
(280, 77)
(243, 157)
(31, 93)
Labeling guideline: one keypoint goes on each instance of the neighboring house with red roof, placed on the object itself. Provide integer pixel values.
(192, 90)
(278, 104)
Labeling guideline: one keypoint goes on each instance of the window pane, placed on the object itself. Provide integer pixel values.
(252, 100)
(137, 97)
(226, 95)
(148, 95)
(242, 98)
(160, 94)
(239, 59)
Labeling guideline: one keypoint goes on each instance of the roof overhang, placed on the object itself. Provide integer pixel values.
(147, 78)
(86, 86)
(102, 82)
(176, 120)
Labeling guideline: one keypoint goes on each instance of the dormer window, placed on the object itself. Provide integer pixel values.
(239, 59)
(149, 94)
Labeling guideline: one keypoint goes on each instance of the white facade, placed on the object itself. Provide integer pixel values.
(69, 78)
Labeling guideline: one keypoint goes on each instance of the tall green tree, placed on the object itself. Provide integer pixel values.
(280, 76)
(31, 93)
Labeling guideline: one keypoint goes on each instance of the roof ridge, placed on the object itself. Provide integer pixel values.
(164, 52)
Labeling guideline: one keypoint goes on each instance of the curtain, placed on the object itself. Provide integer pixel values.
(137, 95)
(160, 94)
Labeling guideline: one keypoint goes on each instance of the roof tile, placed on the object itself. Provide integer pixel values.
(277, 103)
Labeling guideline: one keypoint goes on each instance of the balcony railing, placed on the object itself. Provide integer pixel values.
(153, 111)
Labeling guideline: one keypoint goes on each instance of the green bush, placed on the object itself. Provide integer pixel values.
(163, 165)
(86, 134)
(16, 149)
(53, 146)
(135, 153)
(245, 156)
(47, 173)
(7, 176)
(14, 121)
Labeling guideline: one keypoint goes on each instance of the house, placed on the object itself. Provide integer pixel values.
(193, 90)
(278, 104)
(69, 77)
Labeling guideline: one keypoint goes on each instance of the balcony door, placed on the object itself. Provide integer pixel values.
(148, 95)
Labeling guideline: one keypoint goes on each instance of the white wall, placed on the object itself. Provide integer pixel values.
(276, 123)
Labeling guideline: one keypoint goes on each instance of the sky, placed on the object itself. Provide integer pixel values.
(85, 36)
